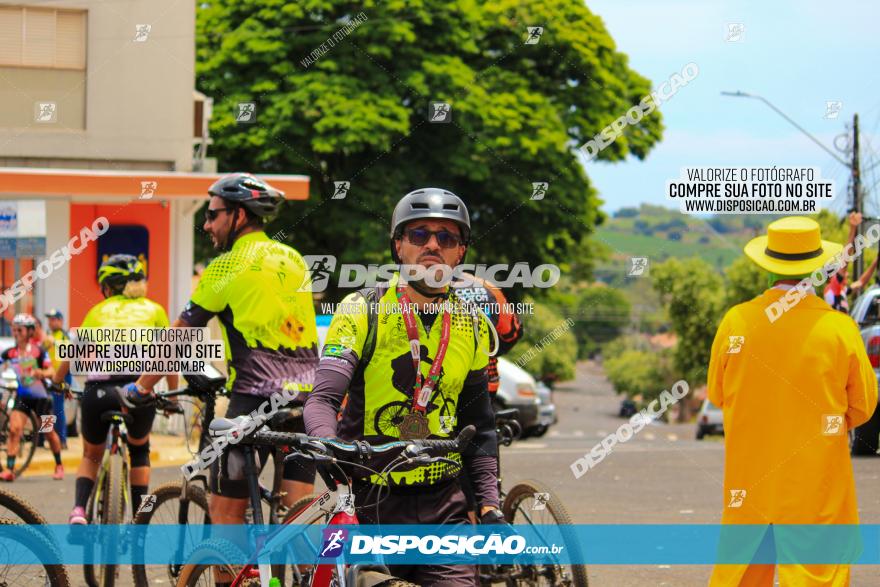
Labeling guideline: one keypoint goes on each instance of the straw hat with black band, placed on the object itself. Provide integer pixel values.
(792, 247)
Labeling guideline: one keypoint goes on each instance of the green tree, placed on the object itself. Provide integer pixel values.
(359, 113)
(745, 280)
(639, 373)
(548, 348)
(693, 295)
(601, 315)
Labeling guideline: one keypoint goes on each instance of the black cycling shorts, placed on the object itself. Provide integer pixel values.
(100, 397)
(41, 406)
(231, 483)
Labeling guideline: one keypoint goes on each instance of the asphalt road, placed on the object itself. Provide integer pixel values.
(662, 475)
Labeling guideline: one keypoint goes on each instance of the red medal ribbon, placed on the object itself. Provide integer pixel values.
(422, 390)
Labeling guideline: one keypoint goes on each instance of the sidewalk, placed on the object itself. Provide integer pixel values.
(165, 451)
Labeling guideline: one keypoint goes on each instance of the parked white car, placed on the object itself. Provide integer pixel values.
(517, 389)
(710, 420)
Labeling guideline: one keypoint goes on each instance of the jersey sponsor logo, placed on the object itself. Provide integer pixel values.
(333, 350)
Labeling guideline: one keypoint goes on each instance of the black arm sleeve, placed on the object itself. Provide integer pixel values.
(195, 315)
(481, 456)
(331, 382)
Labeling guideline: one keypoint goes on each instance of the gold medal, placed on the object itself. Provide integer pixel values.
(414, 426)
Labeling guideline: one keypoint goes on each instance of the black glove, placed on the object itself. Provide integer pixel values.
(493, 516)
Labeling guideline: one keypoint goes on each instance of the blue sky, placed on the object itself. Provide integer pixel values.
(797, 55)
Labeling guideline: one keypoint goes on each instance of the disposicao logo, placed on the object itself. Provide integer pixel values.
(334, 541)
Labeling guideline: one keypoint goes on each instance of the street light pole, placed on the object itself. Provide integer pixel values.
(853, 167)
(792, 122)
(857, 188)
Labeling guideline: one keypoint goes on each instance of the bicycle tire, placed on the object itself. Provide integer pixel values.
(92, 516)
(27, 444)
(22, 509)
(166, 493)
(112, 507)
(38, 544)
(211, 554)
(519, 494)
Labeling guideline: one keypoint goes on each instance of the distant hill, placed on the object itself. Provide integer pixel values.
(659, 233)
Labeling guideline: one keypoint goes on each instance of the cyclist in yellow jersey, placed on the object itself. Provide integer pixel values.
(123, 283)
(430, 229)
(261, 292)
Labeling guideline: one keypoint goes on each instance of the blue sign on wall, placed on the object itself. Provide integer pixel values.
(22, 247)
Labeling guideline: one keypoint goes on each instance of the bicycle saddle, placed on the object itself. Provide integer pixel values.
(222, 426)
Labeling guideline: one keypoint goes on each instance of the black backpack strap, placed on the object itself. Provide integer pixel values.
(371, 296)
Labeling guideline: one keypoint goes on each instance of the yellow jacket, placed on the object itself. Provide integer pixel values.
(789, 391)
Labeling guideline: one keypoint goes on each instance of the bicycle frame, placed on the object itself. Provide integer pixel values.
(339, 504)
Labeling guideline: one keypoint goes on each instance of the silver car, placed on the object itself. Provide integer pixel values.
(517, 389)
(710, 420)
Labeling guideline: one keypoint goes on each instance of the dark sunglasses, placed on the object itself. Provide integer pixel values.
(212, 214)
(420, 237)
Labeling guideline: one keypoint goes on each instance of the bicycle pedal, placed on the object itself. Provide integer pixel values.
(80, 535)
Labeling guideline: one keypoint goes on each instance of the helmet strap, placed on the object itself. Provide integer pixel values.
(422, 290)
(233, 232)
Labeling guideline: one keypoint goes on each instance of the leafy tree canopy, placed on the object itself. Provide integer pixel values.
(359, 113)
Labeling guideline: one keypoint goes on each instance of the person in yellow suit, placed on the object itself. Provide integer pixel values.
(791, 379)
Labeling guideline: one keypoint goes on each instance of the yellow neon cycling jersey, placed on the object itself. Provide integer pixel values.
(261, 292)
(381, 393)
(122, 312)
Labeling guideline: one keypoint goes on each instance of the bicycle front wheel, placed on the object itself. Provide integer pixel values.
(20, 561)
(213, 557)
(531, 502)
(27, 444)
(11, 504)
(172, 507)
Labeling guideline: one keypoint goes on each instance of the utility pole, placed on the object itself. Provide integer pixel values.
(858, 265)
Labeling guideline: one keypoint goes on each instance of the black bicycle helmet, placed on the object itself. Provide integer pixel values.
(250, 192)
(119, 269)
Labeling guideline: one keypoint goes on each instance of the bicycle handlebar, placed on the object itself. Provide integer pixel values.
(161, 402)
(362, 448)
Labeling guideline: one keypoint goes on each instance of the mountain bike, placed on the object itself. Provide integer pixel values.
(336, 506)
(531, 502)
(182, 503)
(27, 444)
(30, 546)
(111, 494)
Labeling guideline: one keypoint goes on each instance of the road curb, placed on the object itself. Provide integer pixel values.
(45, 464)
